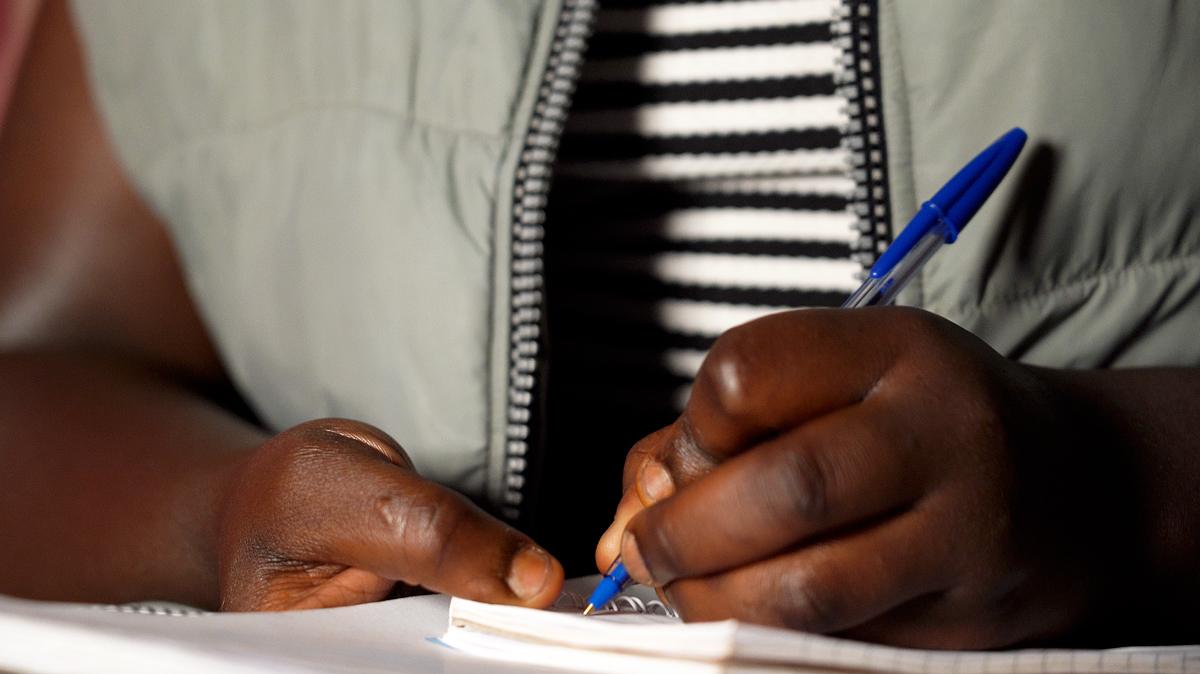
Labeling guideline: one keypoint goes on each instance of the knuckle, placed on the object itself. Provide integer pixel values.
(646, 448)
(805, 485)
(727, 374)
(917, 322)
(689, 454)
(924, 336)
(275, 485)
(810, 600)
(422, 522)
(394, 512)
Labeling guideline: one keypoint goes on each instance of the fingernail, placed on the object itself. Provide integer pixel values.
(529, 571)
(654, 482)
(631, 556)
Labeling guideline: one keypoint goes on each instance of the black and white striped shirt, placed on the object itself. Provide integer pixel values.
(701, 183)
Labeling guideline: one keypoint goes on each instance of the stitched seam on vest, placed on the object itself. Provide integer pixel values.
(1069, 287)
(268, 123)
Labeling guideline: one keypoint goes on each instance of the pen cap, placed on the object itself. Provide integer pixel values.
(994, 164)
(957, 202)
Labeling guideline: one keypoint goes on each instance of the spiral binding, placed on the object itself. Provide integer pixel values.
(571, 601)
(531, 187)
(153, 608)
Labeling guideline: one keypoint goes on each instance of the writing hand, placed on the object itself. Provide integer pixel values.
(879, 473)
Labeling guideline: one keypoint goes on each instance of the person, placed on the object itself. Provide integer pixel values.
(307, 207)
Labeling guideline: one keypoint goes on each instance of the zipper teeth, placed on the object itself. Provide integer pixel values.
(857, 79)
(530, 190)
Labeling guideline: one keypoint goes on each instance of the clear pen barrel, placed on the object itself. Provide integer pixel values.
(883, 290)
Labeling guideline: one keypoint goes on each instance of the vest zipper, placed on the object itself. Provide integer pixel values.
(856, 33)
(530, 189)
(855, 30)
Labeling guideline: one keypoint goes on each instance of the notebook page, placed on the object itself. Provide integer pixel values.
(753, 642)
(386, 637)
(543, 637)
(504, 649)
(630, 632)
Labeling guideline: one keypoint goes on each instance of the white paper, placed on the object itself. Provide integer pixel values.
(642, 643)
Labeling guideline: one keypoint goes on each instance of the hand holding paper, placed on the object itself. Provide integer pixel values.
(332, 513)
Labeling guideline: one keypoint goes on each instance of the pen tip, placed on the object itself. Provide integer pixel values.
(588, 610)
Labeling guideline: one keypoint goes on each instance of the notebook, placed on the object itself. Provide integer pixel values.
(389, 637)
(635, 634)
(638, 635)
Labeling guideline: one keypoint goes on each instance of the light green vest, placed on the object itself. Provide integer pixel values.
(341, 180)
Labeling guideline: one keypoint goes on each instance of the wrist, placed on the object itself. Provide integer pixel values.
(201, 503)
(1137, 428)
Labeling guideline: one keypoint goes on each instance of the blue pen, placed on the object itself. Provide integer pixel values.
(615, 580)
(939, 221)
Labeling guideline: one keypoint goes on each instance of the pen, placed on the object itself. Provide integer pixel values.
(939, 221)
(614, 582)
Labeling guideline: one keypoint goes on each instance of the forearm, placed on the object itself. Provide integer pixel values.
(111, 480)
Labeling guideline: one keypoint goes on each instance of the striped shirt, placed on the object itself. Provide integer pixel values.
(701, 182)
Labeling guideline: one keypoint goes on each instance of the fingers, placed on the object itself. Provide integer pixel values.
(646, 481)
(610, 542)
(845, 467)
(418, 532)
(342, 493)
(827, 587)
(759, 379)
(780, 370)
(649, 447)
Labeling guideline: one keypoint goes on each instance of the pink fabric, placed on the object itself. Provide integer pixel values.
(16, 20)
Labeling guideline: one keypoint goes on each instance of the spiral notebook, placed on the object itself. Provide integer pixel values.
(634, 634)
(640, 635)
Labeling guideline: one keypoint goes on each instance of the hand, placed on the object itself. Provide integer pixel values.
(878, 473)
(332, 512)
